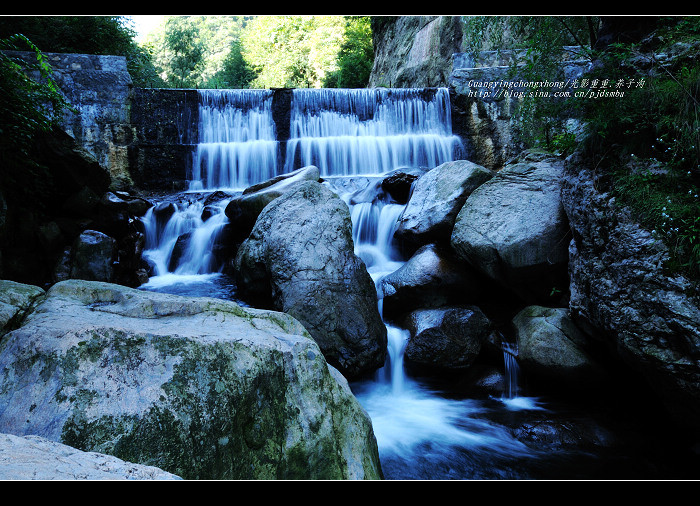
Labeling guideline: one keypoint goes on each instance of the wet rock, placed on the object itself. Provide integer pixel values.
(430, 278)
(551, 346)
(445, 339)
(245, 209)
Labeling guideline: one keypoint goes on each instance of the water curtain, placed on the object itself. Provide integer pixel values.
(369, 131)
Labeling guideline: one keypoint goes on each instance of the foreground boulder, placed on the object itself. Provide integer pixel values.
(199, 387)
(300, 259)
(37, 458)
(621, 291)
(514, 229)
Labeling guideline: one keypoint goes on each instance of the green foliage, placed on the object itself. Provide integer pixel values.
(27, 106)
(355, 57)
(293, 51)
(650, 138)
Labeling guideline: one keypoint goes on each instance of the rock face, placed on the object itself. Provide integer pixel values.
(620, 291)
(37, 458)
(201, 388)
(437, 198)
(551, 346)
(300, 258)
(514, 229)
(414, 51)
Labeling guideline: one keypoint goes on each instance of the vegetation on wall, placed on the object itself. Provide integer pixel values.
(650, 140)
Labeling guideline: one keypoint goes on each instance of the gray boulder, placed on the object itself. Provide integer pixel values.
(199, 387)
(244, 209)
(514, 229)
(430, 278)
(436, 199)
(445, 339)
(300, 259)
(552, 347)
(93, 255)
(37, 458)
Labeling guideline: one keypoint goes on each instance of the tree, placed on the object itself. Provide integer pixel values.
(356, 55)
(292, 51)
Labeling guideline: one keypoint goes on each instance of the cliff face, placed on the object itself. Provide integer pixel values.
(414, 51)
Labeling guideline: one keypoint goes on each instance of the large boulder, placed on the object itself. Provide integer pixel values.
(300, 259)
(446, 339)
(93, 256)
(514, 229)
(199, 387)
(38, 458)
(621, 292)
(552, 347)
(436, 199)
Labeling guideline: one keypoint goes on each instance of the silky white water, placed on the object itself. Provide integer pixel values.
(412, 422)
(369, 131)
(237, 142)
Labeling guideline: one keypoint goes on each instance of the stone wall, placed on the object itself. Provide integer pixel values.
(98, 87)
(164, 124)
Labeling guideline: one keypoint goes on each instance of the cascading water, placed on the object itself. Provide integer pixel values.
(237, 144)
(370, 131)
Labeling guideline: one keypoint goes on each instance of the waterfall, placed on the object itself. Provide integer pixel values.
(180, 242)
(369, 131)
(237, 144)
(512, 371)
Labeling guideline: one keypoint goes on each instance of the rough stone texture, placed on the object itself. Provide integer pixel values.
(551, 346)
(445, 339)
(37, 458)
(414, 51)
(99, 88)
(15, 300)
(198, 387)
(514, 229)
(486, 117)
(436, 199)
(300, 259)
(620, 290)
(431, 278)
